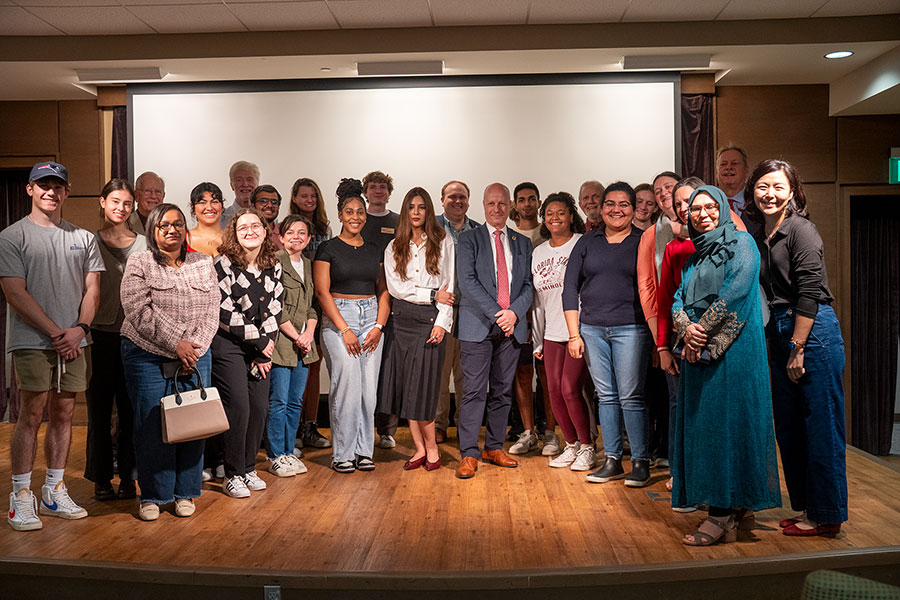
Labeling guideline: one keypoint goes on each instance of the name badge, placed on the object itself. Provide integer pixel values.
(387, 230)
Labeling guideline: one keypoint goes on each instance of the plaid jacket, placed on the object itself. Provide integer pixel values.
(251, 304)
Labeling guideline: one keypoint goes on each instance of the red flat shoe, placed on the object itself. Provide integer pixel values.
(413, 464)
(820, 529)
(432, 466)
(788, 522)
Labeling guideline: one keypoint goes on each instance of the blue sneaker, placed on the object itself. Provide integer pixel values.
(56, 502)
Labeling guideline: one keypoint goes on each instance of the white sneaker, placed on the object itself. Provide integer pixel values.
(280, 466)
(297, 453)
(220, 472)
(206, 476)
(236, 488)
(567, 457)
(254, 483)
(551, 444)
(296, 464)
(56, 502)
(526, 443)
(386, 441)
(585, 460)
(23, 511)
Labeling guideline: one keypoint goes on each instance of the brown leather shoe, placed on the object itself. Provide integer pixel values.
(440, 436)
(467, 468)
(499, 458)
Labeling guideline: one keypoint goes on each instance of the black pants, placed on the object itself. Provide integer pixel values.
(107, 385)
(246, 403)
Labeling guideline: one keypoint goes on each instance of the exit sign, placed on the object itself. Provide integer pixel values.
(894, 169)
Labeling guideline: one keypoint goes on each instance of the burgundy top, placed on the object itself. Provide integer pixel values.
(676, 254)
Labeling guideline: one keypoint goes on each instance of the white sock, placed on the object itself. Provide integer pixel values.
(21, 482)
(54, 476)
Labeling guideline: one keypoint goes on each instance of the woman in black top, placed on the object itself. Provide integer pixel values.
(806, 351)
(611, 332)
(349, 281)
(249, 276)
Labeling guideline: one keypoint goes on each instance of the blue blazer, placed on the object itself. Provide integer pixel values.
(477, 279)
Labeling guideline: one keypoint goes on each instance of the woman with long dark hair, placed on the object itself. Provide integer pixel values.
(116, 242)
(170, 301)
(349, 282)
(206, 208)
(806, 351)
(249, 277)
(419, 268)
(306, 201)
(724, 449)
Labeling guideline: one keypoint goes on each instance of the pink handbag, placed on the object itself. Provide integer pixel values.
(193, 414)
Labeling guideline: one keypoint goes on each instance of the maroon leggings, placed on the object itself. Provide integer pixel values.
(565, 378)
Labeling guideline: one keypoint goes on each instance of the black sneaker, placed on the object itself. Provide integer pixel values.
(364, 463)
(611, 469)
(640, 473)
(314, 439)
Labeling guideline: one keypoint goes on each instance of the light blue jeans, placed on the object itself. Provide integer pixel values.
(285, 404)
(354, 381)
(617, 359)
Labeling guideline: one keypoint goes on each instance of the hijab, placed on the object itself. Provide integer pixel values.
(711, 251)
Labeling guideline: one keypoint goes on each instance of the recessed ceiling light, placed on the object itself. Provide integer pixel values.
(839, 54)
(325, 69)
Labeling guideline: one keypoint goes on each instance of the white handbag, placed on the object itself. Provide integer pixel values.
(193, 414)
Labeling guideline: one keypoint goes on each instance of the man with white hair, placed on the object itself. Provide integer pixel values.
(731, 175)
(590, 196)
(244, 177)
(149, 192)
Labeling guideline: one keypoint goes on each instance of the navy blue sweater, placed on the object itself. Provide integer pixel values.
(604, 275)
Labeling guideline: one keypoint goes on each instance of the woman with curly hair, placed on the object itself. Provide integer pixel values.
(419, 267)
(349, 282)
(249, 276)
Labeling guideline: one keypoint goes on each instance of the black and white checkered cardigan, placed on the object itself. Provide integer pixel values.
(251, 305)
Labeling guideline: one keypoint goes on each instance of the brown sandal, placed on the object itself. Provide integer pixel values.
(707, 536)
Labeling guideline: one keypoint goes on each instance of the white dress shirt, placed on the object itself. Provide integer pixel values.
(419, 283)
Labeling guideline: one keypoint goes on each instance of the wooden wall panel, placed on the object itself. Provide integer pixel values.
(80, 145)
(29, 128)
(787, 121)
(83, 211)
(864, 146)
(823, 211)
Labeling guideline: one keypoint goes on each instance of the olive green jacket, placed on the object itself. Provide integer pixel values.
(297, 307)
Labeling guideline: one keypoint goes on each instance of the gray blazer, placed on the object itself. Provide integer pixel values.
(297, 307)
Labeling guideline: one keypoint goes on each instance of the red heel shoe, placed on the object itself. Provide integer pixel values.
(413, 464)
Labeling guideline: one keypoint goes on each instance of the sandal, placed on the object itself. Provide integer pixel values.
(707, 536)
(745, 519)
(669, 482)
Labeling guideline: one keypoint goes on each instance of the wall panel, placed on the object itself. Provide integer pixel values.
(29, 128)
(864, 146)
(80, 145)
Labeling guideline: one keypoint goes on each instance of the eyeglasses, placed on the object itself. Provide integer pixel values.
(151, 192)
(272, 201)
(245, 229)
(711, 209)
(178, 226)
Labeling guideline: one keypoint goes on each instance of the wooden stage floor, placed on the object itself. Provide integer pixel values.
(413, 525)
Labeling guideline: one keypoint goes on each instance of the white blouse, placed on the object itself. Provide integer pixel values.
(419, 283)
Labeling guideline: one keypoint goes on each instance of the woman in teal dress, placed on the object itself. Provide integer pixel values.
(725, 442)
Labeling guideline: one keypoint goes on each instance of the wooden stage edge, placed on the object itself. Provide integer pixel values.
(757, 577)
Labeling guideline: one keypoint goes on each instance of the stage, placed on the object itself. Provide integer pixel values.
(393, 533)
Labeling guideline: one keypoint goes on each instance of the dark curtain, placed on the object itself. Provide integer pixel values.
(120, 143)
(15, 204)
(875, 318)
(697, 142)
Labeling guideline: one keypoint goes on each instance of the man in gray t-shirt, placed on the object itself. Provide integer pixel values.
(50, 274)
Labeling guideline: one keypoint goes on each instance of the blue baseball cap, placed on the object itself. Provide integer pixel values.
(49, 169)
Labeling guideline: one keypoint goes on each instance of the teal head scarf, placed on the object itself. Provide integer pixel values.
(712, 250)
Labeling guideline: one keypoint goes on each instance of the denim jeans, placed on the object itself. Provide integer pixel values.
(165, 471)
(354, 380)
(617, 358)
(809, 415)
(285, 405)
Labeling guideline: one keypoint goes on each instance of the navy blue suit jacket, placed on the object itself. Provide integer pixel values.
(477, 279)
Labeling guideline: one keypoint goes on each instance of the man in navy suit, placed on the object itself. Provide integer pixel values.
(493, 267)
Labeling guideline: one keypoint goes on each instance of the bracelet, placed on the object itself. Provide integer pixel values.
(798, 344)
(345, 330)
(572, 338)
(379, 327)
(661, 348)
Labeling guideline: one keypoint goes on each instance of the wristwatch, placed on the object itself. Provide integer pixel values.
(84, 327)
(433, 294)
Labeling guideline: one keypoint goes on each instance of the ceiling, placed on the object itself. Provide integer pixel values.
(751, 42)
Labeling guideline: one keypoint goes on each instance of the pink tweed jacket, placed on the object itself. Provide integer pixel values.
(164, 305)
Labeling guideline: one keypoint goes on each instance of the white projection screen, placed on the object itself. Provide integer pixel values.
(556, 131)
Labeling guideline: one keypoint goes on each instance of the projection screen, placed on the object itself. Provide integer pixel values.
(556, 131)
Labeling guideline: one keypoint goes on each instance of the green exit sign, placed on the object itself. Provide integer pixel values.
(894, 170)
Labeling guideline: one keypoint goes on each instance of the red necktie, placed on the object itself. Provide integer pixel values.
(502, 276)
(731, 204)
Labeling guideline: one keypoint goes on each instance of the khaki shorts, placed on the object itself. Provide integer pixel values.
(37, 371)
